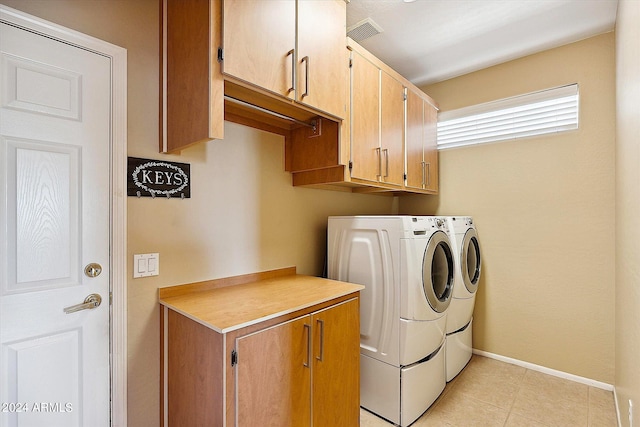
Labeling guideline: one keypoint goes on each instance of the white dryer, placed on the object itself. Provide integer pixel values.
(407, 267)
(466, 248)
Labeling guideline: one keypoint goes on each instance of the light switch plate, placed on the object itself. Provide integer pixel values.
(145, 265)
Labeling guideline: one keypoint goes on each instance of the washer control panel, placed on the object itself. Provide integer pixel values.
(420, 225)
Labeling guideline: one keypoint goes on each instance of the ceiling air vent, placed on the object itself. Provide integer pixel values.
(363, 30)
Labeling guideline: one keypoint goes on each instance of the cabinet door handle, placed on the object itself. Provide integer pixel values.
(321, 355)
(423, 164)
(428, 174)
(379, 150)
(307, 362)
(292, 52)
(386, 152)
(306, 77)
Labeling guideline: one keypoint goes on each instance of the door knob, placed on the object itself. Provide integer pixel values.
(93, 270)
(90, 302)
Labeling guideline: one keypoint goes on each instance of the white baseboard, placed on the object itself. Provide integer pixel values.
(548, 371)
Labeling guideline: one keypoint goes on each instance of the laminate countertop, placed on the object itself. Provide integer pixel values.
(225, 305)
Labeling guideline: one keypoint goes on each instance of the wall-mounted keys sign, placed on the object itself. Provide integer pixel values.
(157, 178)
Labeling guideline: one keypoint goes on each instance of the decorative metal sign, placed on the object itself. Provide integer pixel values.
(156, 178)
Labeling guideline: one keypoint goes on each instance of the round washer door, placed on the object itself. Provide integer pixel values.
(437, 272)
(470, 260)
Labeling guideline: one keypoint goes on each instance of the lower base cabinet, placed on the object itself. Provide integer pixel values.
(299, 369)
(300, 373)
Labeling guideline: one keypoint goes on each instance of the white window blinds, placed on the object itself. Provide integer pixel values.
(548, 111)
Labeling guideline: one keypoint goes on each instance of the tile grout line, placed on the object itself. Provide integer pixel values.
(515, 397)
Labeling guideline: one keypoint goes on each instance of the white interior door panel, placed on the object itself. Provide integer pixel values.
(54, 221)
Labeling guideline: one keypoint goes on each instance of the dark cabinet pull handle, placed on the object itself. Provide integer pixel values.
(292, 52)
(306, 76)
(321, 356)
(307, 329)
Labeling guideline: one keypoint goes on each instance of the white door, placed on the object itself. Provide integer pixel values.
(54, 221)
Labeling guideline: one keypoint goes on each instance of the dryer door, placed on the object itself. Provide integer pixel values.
(470, 260)
(437, 271)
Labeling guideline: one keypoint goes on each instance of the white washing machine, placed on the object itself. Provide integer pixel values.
(407, 267)
(466, 248)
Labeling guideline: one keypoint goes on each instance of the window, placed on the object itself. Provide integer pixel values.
(549, 111)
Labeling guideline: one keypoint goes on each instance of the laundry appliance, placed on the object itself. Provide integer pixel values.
(466, 249)
(407, 267)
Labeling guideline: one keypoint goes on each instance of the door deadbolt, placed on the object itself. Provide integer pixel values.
(93, 270)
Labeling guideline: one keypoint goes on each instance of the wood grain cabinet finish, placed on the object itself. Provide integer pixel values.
(301, 372)
(259, 39)
(388, 143)
(431, 147)
(191, 84)
(421, 143)
(292, 57)
(365, 119)
(274, 376)
(284, 56)
(263, 48)
(336, 381)
(322, 71)
(296, 364)
(377, 123)
(391, 130)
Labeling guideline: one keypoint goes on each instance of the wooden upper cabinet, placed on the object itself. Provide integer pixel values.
(322, 69)
(414, 141)
(391, 130)
(431, 147)
(377, 123)
(262, 48)
(365, 123)
(259, 39)
(191, 84)
(421, 143)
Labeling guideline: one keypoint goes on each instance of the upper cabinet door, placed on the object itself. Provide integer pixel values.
(392, 130)
(322, 70)
(421, 144)
(259, 40)
(191, 85)
(365, 119)
(431, 147)
(414, 136)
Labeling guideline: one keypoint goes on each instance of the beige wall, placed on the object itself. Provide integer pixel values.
(628, 209)
(545, 213)
(244, 215)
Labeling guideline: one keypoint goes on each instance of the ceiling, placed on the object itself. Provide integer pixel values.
(433, 40)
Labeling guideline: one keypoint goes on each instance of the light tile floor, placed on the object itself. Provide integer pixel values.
(492, 393)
